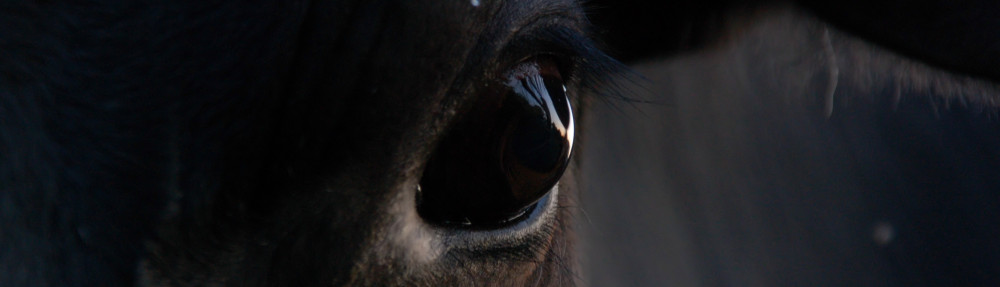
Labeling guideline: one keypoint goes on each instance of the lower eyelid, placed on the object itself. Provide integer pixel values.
(537, 225)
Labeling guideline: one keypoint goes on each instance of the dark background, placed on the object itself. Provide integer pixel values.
(789, 145)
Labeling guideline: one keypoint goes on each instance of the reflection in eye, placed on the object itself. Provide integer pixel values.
(505, 154)
(540, 137)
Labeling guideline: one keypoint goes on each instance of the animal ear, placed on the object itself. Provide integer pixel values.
(636, 29)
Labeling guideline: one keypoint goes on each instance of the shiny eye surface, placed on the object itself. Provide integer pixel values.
(504, 154)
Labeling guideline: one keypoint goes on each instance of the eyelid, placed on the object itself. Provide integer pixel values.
(549, 38)
(584, 67)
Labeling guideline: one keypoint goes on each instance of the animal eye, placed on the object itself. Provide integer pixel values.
(504, 154)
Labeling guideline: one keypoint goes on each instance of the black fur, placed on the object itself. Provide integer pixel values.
(256, 143)
(280, 143)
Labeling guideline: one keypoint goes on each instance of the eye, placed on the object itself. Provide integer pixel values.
(504, 154)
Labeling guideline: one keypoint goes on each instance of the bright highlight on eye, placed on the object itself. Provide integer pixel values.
(505, 154)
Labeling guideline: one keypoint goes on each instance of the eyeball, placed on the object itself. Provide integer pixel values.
(504, 154)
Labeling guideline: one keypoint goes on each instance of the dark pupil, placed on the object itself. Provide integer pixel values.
(538, 144)
(504, 155)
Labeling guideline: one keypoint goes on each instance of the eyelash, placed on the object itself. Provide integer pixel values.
(587, 70)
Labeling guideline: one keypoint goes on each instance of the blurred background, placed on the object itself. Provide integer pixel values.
(776, 144)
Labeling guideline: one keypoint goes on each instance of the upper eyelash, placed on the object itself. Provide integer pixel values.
(586, 66)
